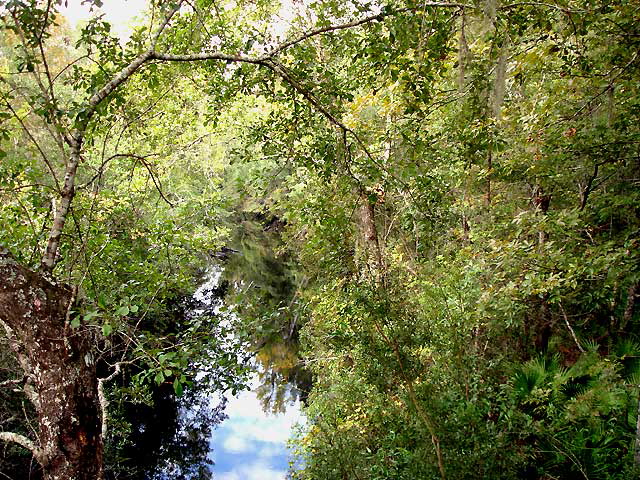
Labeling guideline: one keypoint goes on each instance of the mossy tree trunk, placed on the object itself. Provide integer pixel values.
(59, 372)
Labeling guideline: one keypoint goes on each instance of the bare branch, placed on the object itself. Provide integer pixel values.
(8, 383)
(24, 442)
(104, 402)
(156, 182)
(68, 66)
(573, 334)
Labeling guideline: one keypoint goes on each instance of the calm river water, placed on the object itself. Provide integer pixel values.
(250, 444)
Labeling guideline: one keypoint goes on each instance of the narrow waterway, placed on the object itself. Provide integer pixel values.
(252, 442)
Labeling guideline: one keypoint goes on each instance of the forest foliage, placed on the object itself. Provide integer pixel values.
(455, 186)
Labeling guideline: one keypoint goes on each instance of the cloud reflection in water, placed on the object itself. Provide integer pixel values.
(251, 444)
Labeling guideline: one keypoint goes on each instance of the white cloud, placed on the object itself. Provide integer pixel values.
(266, 430)
(245, 405)
(255, 471)
(236, 444)
(247, 420)
(270, 450)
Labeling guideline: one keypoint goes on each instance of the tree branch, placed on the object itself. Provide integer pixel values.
(632, 294)
(114, 83)
(330, 28)
(13, 382)
(60, 215)
(197, 57)
(573, 334)
(357, 23)
(153, 177)
(104, 402)
(77, 137)
(164, 24)
(24, 442)
(586, 191)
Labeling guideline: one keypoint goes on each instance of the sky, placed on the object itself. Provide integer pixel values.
(119, 13)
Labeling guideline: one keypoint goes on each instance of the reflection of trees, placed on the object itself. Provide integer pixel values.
(265, 278)
(168, 438)
(283, 379)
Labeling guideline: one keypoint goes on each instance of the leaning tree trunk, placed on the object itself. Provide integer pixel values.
(60, 372)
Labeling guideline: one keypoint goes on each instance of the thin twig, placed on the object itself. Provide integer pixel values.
(32, 138)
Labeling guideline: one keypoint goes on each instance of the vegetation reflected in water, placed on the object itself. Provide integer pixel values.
(264, 277)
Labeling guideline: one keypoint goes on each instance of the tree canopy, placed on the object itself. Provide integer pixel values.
(454, 192)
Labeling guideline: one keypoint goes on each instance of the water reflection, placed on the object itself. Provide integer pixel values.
(282, 378)
(252, 444)
(264, 279)
(262, 310)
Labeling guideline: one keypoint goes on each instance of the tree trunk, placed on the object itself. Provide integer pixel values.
(544, 327)
(370, 235)
(541, 202)
(60, 372)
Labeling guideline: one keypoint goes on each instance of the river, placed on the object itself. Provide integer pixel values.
(251, 443)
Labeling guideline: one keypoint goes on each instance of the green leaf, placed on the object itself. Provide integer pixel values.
(107, 329)
(159, 378)
(87, 317)
(123, 311)
(177, 387)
